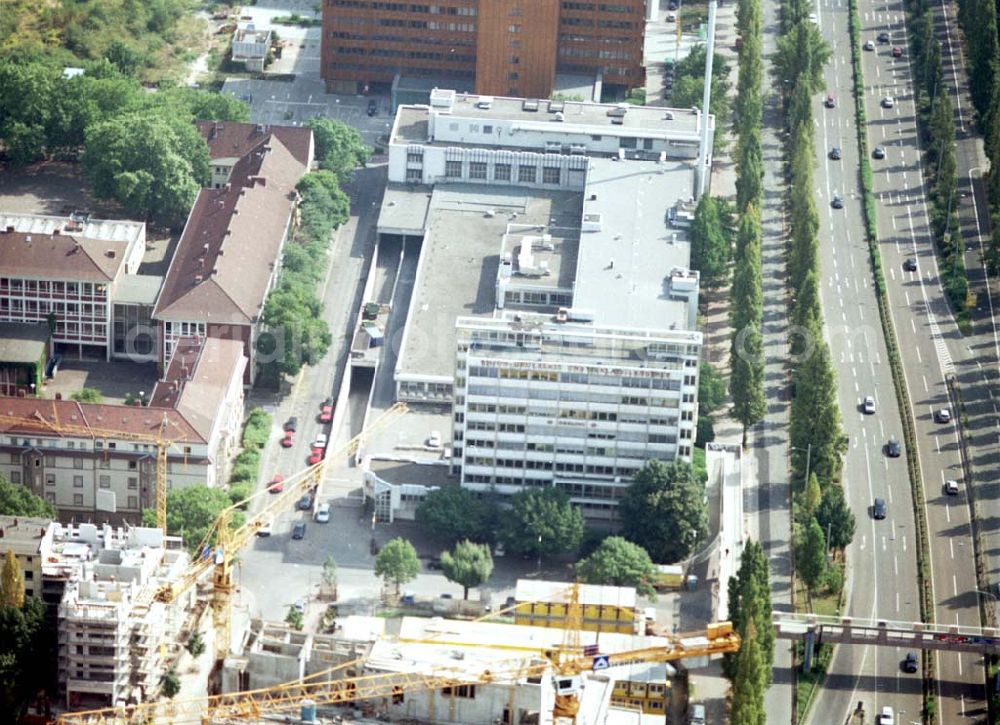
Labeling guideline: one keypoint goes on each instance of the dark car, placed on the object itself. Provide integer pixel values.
(830, 101)
(879, 509)
(883, 37)
(434, 564)
(910, 264)
(837, 203)
(292, 424)
(372, 107)
(878, 153)
(672, 5)
(893, 449)
(299, 530)
(897, 52)
(835, 153)
(305, 503)
(910, 663)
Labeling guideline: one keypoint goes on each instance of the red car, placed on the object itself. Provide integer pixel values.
(326, 411)
(277, 484)
(897, 52)
(288, 439)
(316, 456)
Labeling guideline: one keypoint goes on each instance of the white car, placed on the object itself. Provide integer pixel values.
(951, 487)
(320, 441)
(264, 530)
(434, 439)
(942, 416)
(869, 45)
(814, 18)
(323, 513)
(888, 102)
(887, 716)
(868, 405)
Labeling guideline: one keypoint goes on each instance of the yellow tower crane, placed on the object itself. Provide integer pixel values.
(163, 439)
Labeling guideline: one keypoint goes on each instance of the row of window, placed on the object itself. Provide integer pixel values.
(570, 51)
(408, 39)
(621, 381)
(403, 7)
(601, 7)
(13, 285)
(337, 67)
(132, 502)
(98, 445)
(502, 172)
(14, 305)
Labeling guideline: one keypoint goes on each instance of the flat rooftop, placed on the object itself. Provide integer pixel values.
(412, 125)
(404, 209)
(459, 262)
(623, 268)
(542, 256)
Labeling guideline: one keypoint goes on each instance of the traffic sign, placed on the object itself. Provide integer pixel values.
(600, 662)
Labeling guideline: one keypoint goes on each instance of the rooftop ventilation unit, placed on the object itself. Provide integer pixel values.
(529, 104)
(556, 106)
(485, 102)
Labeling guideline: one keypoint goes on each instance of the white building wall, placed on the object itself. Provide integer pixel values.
(481, 703)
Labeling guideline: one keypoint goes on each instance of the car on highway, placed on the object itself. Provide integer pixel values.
(316, 455)
(292, 424)
(910, 663)
(893, 449)
(835, 153)
(878, 152)
(887, 716)
(879, 509)
(830, 101)
(299, 530)
(305, 503)
(897, 52)
(326, 411)
(883, 37)
(869, 45)
(942, 415)
(837, 202)
(323, 513)
(868, 405)
(277, 484)
(910, 264)
(288, 439)
(888, 102)
(264, 530)
(951, 487)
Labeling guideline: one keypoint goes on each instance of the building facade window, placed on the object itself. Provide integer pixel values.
(477, 170)
(527, 174)
(551, 175)
(453, 169)
(133, 483)
(78, 499)
(501, 172)
(77, 481)
(105, 482)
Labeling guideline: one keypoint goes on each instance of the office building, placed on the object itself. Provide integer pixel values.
(494, 47)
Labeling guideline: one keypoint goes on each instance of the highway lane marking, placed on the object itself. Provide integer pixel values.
(883, 544)
(906, 296)
(919, 359)
(954, 588)
(895, 567)
(926, 389)
(913, 326)
(904, 543)
(951, 548)
(897, 609)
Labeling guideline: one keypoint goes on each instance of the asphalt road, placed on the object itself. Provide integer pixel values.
(883, 551)
(930, 346)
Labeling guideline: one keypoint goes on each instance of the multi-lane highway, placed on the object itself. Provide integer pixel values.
(882, 558)
(928, 334)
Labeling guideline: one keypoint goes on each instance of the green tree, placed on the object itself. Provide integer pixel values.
(663, 510)
(195, 645)
(747, 293)
(339, 147)
(750, 171)
(18, 500)
(746, 383)
(467, 564)
(124, 57)
(810, 555)
(815, 416)
(324, 206)
(801, 52)
(748, 685)
(11, 582)
(22, 639)
(711, 389)
(171, 684)
(710, 246)
(689, 86)
(618, 562)
(750, 601)
(397, 563)
(453, 514)
(87, 395)
(294, 618)
(543, 521)
(330, 572)
(835, 516)
(150, 162)
(812, 497)
(296, 333)
(192, 512)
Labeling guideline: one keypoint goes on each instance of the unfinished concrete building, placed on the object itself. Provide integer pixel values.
(110, 629)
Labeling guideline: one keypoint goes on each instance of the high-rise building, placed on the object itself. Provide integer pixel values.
(495, 47)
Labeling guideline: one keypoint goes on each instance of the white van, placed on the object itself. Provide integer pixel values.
(323, 513)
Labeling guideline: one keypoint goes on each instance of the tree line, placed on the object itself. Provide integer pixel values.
(936, 124)
(979, 25)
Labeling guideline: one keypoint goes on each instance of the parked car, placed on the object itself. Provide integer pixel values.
(326, 411)
(837, 202)
(305, 503)
(910, 662)
(951, 487)
(323, 513)
(893, 449)
(264, 530)
(814, 18)
(277, 484)
(869, 45)
(696, 714)
(372, 107)
(434, 439)
(943, 415)
(868, 405)
(830, 101)
(888, 102)
(316, 455)
(887, 716)
(434, 563)
(835, 153)
(299, 530)
(288, 439)
(320, 441)
(910, 264)
(897, 52)
(878, 152)
(879, 509)
(883, 37)
(292, 424)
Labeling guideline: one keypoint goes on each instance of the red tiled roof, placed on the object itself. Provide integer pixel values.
(229, 139)
(222, 268)
(91, 419)
(60, 256)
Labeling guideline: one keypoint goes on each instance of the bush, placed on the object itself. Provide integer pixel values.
(257, 429)
(240, 492)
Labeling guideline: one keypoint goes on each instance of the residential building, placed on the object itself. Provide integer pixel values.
(79, 275)
(111, 630)
(228, 257)
(31, 541)
(250, 47)
(98, 461)
(499, 47)
(553, 306)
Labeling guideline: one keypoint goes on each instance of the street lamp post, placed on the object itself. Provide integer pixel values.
(539, 553)
(808, 449)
